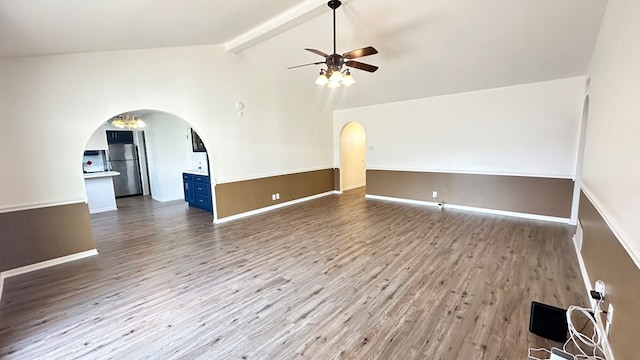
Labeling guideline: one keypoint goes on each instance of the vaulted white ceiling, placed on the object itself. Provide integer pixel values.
(37, 27)
(427, 47)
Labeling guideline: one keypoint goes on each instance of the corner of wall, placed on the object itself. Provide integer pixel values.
(605, 258)
(1, 286)
(32, 236)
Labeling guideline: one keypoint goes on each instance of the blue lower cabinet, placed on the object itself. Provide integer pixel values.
(189, 189)
(202, 189)
(197, 191)
(204, 202)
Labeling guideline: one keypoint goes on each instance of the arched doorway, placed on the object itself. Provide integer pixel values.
(579, 161)
(163, 150)
(353, 173)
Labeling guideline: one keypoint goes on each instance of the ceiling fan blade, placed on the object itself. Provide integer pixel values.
(369, 50)
(318, 52)
(297, 66)
(361, 66)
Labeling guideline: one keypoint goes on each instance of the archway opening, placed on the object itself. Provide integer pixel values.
(353, 173)
(152, 164)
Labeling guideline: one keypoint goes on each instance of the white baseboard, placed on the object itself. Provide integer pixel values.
(474, 209)
(101, 210)
(588, 287)
(273, 207)
(43, 265)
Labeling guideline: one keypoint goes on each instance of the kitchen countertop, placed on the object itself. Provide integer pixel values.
(100, 174)
(197, 172)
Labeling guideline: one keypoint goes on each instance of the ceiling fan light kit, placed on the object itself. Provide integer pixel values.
(322, 78)
(334, 76)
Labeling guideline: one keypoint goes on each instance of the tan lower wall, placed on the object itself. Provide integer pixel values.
(243, 196)
(607, 260)
(531, 195)
(336, 179)
(32, 236)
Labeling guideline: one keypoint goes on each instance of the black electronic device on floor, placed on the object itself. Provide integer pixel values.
(548, 321)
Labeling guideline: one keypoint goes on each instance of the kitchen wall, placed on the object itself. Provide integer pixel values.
(168, 151)
(197, 160)
(95, 163)
(138, 139)
(98, 140)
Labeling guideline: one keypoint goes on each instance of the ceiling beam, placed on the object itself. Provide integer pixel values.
(279, 24)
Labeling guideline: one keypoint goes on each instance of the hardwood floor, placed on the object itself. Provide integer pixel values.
(339, 277)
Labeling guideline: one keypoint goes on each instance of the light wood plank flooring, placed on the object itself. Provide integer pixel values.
(339, 277)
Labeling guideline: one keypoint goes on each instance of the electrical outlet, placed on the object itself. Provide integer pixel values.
(277, 196)
(273, 196)
(435, 194)
(609, 318)
(600, 287)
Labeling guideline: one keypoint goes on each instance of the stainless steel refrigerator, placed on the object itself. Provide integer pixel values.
(123, 158)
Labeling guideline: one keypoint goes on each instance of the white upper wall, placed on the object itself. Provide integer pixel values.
(611, 174)
(98, 140)
(168, 151)
(59, 101)
(527, 130)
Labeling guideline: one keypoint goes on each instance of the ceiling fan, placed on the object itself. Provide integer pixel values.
(333, 76)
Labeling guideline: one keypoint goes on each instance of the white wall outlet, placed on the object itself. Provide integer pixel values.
(600, 287)
(277, 196)
(273, 196)
(609, 318)
(435, 194)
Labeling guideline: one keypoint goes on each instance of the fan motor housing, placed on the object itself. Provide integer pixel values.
(335, 62)
(334, 4)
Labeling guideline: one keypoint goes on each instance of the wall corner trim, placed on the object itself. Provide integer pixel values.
(31, 206)
(587, 283)
(271, 174)
(44, 265)
(101, 210)
(623, 238)
(1, 284)
(273, 207)
(473, 209)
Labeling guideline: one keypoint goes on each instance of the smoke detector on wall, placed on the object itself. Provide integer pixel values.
(240, 107)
